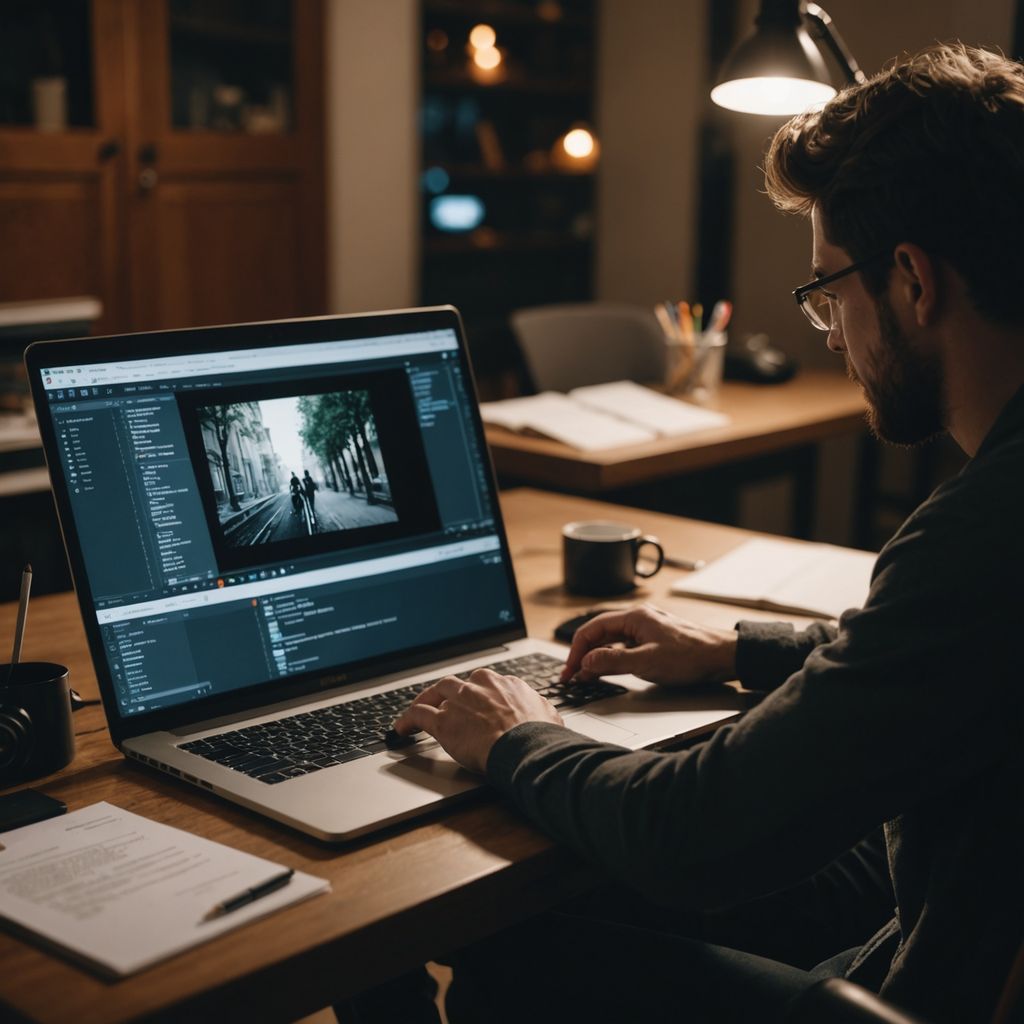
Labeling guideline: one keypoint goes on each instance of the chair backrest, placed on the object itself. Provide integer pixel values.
(568, 346)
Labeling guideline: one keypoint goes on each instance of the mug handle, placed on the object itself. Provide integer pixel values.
(647, 539)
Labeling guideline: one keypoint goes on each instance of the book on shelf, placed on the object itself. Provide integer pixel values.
(601, 415)
(817, 580)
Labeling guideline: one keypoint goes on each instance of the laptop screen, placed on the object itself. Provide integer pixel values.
(250, 515)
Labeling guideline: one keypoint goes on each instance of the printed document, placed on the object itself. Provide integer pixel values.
(120, 892)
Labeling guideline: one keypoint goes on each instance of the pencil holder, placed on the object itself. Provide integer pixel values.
(694, 370)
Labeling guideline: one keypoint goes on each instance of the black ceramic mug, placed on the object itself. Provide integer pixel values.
(36, 733)
(600, 558)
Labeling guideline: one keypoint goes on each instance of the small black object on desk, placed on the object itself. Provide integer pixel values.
(757, 361)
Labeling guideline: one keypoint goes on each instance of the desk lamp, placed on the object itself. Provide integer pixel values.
(778, 70)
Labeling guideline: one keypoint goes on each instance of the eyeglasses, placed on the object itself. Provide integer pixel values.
(817, 303)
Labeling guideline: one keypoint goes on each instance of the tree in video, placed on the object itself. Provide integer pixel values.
(286, 468)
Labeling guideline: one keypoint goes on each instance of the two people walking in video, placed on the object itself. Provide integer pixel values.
(304, 499)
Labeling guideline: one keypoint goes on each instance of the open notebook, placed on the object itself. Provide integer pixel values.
(601, 415)
(819, 580)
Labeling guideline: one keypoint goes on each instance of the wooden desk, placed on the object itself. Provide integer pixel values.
(773, 429)
(398, 899)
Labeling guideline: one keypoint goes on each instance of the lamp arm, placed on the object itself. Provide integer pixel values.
(822, 27)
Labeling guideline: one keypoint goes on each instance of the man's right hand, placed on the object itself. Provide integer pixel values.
(657, 647)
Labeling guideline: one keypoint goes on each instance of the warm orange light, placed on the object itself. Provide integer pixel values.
(437, 40)
(577, 151)
(482, 37)
(487, 60)
(578, 143)
(549, 10)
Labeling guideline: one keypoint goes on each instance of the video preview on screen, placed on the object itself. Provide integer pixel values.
(311, 464)
(296, 469)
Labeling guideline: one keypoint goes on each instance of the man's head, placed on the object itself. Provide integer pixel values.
(918, 172)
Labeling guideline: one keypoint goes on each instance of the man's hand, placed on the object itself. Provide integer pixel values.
(658, 647)
(467, 717)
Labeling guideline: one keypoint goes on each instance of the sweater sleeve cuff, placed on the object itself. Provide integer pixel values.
(511, 748)
(768, 653)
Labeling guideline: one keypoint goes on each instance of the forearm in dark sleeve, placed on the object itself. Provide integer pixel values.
(768, 653)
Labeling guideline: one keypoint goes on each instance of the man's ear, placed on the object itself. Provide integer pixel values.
(915, 281)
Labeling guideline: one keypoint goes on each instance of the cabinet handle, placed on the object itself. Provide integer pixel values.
(148, 179)
(108, 150)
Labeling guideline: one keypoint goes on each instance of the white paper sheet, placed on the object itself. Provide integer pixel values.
(805, 579)
(663, 414)
(120, 892)
(557, 416)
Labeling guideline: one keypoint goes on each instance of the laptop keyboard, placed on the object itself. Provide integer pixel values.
(300, 744)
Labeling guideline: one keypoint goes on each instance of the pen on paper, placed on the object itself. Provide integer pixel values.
(249, 895)
(19, 628)
(685, 563)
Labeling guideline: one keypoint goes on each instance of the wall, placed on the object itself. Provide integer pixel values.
(372, 84)
(651, 71)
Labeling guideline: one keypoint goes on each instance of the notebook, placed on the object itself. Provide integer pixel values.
(279, 533)
(819, 580)
(602, 416)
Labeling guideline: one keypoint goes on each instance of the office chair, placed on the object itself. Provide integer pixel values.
(569, 346)
(837, 1001)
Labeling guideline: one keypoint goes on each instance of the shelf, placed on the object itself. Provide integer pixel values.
(509, 14)
(502, 242)
(462, 81)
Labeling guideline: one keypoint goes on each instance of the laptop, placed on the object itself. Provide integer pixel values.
(279, 533)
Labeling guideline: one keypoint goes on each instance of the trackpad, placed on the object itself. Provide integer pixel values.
(599, 729)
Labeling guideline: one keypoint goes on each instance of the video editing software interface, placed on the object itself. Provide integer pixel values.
(248, 515)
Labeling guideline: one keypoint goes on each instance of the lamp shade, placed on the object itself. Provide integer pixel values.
(777, 70)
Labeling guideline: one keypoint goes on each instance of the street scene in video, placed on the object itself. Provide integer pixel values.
(286, 468)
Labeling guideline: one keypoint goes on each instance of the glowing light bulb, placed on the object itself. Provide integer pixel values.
(773, 96)
(487, 60)
(578, 143)
(482, 37)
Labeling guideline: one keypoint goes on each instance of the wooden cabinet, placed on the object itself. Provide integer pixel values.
(182, 181)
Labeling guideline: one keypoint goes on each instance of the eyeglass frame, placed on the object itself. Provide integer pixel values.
(801, 293)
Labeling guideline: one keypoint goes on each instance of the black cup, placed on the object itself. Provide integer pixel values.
(36, 734)
(599, 558)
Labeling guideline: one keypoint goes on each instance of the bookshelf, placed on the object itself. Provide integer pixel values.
(507, 214)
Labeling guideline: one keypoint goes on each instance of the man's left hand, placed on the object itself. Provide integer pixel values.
(467, 717)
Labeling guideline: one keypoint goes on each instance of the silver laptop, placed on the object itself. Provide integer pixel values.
(279, 532)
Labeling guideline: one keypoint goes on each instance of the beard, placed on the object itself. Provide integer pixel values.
(905, 390)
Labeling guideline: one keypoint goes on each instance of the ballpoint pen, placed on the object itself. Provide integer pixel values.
(685, 563)
(250, 895)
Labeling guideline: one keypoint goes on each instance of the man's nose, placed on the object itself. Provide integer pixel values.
(835, 340)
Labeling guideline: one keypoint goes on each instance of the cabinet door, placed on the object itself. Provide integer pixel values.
(60, 153)
(225, 153)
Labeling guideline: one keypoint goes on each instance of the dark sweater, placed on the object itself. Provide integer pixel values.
(909, 715)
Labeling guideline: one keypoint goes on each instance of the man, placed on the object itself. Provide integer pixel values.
(907, 717)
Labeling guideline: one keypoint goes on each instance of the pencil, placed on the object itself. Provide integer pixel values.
(19, 628)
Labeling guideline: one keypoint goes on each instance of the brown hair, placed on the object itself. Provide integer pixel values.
(930, 151)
